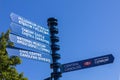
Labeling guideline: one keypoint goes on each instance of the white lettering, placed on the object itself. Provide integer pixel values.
(33, 55)
(32, 25)
(27, 33)
(101, 60)
(32, 44)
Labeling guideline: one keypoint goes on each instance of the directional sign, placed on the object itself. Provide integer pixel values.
(97, 61)
(24, 22)
(20, 42)
(30, 40)
(29, 33)
(30, 54)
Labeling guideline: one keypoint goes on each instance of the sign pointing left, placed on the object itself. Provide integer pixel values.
(30, 54)
(31, 44)
(29, 33)
(24, 22)
(30, 40)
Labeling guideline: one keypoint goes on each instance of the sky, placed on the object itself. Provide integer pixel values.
(87, 29)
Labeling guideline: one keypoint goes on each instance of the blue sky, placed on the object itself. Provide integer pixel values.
(87, 29)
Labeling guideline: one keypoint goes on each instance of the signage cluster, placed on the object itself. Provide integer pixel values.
(30, 40)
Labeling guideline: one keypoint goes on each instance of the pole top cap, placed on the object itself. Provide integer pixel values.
(52, 19)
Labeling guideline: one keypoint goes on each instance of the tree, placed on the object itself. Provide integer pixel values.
(8, 63)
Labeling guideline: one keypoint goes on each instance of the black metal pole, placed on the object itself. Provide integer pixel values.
(52, 24)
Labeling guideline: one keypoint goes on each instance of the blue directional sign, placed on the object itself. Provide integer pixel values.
(28, 44)
(97, 61)
(30, 54)
(30, 40)
(29, 33)
(24, 22)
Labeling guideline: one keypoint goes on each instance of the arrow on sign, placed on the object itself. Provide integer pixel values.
(92, 62)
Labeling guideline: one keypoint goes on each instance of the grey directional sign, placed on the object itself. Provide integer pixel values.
(92, 62)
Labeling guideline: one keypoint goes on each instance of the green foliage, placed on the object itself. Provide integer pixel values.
(7, 64)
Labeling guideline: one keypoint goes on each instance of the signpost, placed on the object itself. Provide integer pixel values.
(92, 62)
(33, 42)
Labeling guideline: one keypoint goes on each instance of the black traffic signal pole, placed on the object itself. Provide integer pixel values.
(56, 74)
